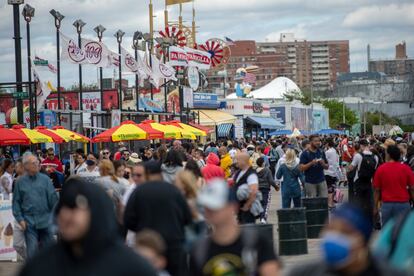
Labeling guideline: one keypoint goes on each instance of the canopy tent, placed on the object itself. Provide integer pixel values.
(295, 133)
(281, 132)
(395, 130)
(189, 128)
(329, 131)
(9, 137)
(70, 135)
(214, 117)
(265, 122)
(34, 136)
(126, 131)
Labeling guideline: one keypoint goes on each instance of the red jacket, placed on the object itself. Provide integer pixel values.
(212, 169)
(55, 162)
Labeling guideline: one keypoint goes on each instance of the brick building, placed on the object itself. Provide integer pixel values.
(308, 63)
(400, 66)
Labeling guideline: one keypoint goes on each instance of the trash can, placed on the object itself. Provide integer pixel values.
(292, 231)
(316, 215)
(265, 230)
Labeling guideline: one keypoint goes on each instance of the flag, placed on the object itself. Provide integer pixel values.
(45, 62)
(250, 78)
(96, 53)
(71, 52)
(229, 41)
(129, 64)
(161, 71)
(43, 89)
(175, 2)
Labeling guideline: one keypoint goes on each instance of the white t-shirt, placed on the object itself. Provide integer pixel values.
(333, 162)
(357, 160)
(90, 176)
(251, 179)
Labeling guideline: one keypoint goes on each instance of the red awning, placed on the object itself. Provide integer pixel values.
(203, 128)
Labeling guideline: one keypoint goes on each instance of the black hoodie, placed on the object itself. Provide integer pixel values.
(103, 251)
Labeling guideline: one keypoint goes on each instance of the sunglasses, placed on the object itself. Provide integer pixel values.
(105, 152)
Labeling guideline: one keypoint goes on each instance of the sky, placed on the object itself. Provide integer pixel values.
(380, 23)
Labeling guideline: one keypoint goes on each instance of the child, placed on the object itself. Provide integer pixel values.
(150, 245)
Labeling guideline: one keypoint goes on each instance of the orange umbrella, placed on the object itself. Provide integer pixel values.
(9, 137)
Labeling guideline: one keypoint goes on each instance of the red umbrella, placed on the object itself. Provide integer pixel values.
(9, 137)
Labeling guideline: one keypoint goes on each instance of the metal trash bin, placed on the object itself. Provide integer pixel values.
(316, 215)
(292, 231)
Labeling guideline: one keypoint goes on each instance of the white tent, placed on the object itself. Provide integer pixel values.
(276, 89)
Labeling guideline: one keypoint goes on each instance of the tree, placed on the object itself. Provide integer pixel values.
(373, 118)
(336, 113)
(304, 96)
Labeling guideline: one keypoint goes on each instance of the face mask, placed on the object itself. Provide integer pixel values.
(90, 162)
(336, 249)
(126, 175)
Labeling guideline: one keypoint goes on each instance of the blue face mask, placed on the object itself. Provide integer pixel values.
(336, 249)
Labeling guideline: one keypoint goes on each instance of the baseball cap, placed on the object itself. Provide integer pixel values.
(216, 195)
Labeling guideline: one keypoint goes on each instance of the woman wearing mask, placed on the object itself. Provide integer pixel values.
(289, 171)
(80, 161)
(91, 172)
(6, 180)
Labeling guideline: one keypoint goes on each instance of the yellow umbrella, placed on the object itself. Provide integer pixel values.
(69, 135)
(187, 129)
(34, 136)
(127, 131)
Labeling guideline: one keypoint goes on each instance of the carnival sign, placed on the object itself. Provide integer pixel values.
(177, 56)
(193, 78)
(197, 58)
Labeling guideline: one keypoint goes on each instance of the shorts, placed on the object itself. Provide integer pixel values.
(316, 190)
(330, 181)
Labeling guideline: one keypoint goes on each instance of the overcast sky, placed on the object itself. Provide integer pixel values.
(381, 23)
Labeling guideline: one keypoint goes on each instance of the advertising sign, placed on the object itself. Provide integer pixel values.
(7, 252)
(320, 119)
(205, 100)
(188, 97)
(150, 105)
(91, 101)
(298, 116)
(239, 128)
(193, 78)
(115, 117)
(257, 107)
(278, 113)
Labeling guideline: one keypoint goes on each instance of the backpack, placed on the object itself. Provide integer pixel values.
(273, 156)
(368, 166)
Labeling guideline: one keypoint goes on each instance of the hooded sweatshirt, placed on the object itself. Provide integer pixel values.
(169, 172)
(265, 178)
(212, 169)
(103, 252)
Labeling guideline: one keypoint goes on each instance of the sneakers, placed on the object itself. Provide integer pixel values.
(263, 221)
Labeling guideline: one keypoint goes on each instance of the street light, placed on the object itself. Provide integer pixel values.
(17, 54)
(135, 45)
(119, 34)
(148, 40)
(165, 42)
(58, 20)
(28, 13)
(99, 31)
(78, 24)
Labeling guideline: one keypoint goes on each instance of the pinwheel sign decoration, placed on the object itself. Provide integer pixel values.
(176, 34)
(219, 51)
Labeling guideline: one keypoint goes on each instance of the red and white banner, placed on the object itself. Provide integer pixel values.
(177, 56)
(197, 58)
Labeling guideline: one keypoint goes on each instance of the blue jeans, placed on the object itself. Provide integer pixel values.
(286, 201)
(391, 210)
(35, 239)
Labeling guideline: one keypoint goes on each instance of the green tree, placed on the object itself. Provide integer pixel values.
(374, 118)
(304, 96)
(336, 113)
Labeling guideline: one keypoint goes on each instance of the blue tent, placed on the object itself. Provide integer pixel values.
(329, 131)
(281, 132)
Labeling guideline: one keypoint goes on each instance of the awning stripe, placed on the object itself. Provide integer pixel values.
(223, 130)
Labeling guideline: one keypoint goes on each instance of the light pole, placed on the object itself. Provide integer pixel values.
(78, 24)
(28, 13)
(135, 45)
(165, 42)
(119, 34)
(148, 39)
(58, 20)
(17, 54)
(99, 31)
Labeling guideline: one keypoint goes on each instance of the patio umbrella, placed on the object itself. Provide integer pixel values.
(34, 136)
(151, 132)
(170, 132)
(188, 128)
(71, 135)
(9, 137)
(126, 131)
(55, 137)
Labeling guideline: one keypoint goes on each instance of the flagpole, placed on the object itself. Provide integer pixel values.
(119, 34)
(166, 15)
(99, 31)
(193, 31)
(78, 24)
(151, 19)
(180, 18)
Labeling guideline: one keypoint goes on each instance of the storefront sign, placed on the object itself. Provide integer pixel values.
(257, 107)
(239, 128)
(91, 101)
(193, 78)
(7, 252)
(205, 100)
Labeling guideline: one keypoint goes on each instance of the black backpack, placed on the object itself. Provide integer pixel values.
(273, 156)
(368, 166)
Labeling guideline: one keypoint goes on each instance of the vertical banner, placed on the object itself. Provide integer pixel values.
(239, 128)
(188, 97)
(7, 252)
(115, 117)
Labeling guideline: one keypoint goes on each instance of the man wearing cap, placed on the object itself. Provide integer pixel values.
(345, 247)
(246, 175)
(229, 250)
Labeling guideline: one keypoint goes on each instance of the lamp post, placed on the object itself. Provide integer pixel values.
(58, 20)
(28, 13)
(78, 24)
(165, 42)
(99, 31)
(149, 40)
(119, 34)
(17, 54)
(135, 45)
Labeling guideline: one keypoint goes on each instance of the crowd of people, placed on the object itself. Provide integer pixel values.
(174, 208)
